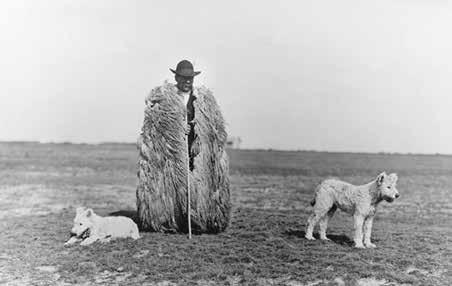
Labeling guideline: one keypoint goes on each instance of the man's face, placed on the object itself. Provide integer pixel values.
(184, 83)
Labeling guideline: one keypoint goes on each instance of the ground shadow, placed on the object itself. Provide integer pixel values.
(127, 213)
(336, 238)
(132, 214)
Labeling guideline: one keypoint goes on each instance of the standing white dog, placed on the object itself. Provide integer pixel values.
(89, 227)
(360, 201)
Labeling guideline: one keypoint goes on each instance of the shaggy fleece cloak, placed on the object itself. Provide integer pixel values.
(163, 163)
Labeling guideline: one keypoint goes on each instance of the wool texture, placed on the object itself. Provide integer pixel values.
(163, 164)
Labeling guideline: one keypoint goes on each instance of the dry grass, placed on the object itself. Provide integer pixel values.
(41, 184)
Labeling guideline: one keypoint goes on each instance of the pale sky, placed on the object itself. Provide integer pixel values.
(364, 76)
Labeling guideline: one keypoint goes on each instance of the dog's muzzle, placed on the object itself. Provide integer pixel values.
(85, 234)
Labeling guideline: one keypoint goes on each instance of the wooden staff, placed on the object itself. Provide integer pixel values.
(188, 185)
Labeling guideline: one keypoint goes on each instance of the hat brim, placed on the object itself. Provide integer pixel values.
(195, 73)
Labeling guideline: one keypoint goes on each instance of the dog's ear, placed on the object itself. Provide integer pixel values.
(80, 210)
(89, 212)
(381, 178)
(393, 177)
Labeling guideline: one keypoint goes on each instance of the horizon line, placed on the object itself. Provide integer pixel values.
(245, 149)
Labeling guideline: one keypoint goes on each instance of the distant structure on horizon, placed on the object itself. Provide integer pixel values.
(234, 142)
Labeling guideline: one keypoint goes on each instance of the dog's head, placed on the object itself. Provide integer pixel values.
(386, 185)
(82, 222)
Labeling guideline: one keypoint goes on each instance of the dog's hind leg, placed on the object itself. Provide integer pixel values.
(323, 203)
(319, 213)
(134, 232)
(324, 222)
(312, 220)
(135, 235)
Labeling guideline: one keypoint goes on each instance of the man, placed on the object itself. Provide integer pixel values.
(174, 115)
(184, 76)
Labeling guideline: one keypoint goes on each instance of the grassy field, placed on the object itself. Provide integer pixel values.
(42, 184)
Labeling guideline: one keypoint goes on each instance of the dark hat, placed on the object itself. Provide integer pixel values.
(185, 68)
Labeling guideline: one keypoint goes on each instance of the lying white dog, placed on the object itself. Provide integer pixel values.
(360, 201)
(89, 227)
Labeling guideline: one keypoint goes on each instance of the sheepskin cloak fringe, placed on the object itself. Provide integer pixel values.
(162, 187)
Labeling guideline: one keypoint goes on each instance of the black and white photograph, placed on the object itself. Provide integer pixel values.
(204, 143)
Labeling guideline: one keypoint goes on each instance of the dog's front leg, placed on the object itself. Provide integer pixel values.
(359, 219)
(89, 240)
(72, 240)
(105, 239)
(368, 232)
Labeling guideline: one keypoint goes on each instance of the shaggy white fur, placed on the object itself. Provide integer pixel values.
(359, 201)
(90, 227)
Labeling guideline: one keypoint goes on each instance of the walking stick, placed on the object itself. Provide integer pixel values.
(188, 188)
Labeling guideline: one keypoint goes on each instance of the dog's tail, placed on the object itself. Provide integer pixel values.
(316, 191)
(312, 202)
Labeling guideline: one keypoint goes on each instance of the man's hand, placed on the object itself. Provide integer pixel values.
(195, 147)
(189, 127)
